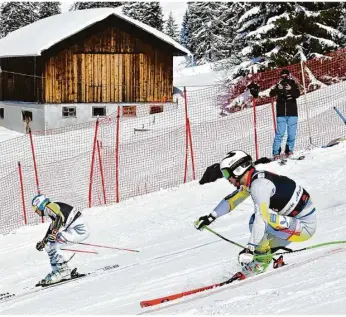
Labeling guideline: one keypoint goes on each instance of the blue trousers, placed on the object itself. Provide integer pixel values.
(281, 124)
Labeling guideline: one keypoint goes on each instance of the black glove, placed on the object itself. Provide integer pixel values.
(254, 89)
(204, 221)
(40, 245)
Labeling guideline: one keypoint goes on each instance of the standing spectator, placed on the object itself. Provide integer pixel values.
(287, 92)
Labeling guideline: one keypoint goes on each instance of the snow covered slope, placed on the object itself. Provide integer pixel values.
(175, 257)
(196, 77)
(6, 134)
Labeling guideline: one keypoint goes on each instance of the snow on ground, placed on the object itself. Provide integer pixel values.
(196, 77)
(67, 163)
(6, 134)
(174, 256)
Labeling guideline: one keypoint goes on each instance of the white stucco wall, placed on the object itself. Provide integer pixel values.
(49, 116)
(54, 119)
(13, 116)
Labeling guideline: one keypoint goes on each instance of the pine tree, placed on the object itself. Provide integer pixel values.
(48, 9)
(15, 15)
(172, 28)
(232, 44)
(185, 29)
(342, 21)
(149, 13)
(278, 34)
(93, 5)
(1, 34)
(134, 10)
(235, 12)
(154, 15)
(207, 31)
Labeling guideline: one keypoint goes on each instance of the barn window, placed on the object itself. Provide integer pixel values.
(156, 109)
(68, 112)
(26, 116)
(129, 111)
(99, 111)
(2, 113)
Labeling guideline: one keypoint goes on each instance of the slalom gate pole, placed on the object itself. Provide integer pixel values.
(80, 251)
(107, 247)
(340, 114)
(223, 238)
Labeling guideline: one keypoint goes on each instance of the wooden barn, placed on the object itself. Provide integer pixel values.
(87, 56)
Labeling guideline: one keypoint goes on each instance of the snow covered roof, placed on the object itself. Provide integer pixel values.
(33, 39)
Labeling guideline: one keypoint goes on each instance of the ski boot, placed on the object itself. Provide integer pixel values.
(62, 272)
(258, 265)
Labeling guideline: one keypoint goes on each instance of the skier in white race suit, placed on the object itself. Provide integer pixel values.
(67, 228)
(283, 210)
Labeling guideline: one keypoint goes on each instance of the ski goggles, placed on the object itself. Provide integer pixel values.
(226, 174)
(38, 211)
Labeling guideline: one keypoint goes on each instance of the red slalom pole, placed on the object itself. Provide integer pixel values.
(80, 251)
(93, 162)
(255, 127)
(22, 192)
(107, 247)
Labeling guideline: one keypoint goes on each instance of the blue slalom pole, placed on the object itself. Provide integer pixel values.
(340, 114)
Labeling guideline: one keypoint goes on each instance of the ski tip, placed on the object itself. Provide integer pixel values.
(74, 272)
(238, 276)
(6, 296)
(143, 304)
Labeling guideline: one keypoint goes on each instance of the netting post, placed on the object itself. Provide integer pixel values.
(191, 149)
(306, 102)
(255, 126)
(188, 140)
(101, 172)
(34, 159)
(35, 166)
(274, 118)
(117, 140)
(93, 161)
(186, 136)
(22, 191)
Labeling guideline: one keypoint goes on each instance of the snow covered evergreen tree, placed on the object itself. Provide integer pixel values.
(134, 10)
(47, 9)
(15, 15)
(278, 34)
(155, 15)
(171, 28)
(185, 29)
(342, 21)
(149, 13)
(208, 33)
(95, 4)
(1, 34)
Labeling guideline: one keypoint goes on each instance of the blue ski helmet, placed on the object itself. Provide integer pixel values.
(38, 203)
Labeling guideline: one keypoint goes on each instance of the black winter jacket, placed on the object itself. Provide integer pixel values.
(286, 101)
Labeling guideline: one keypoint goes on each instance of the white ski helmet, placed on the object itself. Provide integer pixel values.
(235, 164)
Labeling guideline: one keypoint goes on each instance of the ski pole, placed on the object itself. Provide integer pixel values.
(223, 238)
(81, 251)
(107, 247)
(314, 246)
(303, 249)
